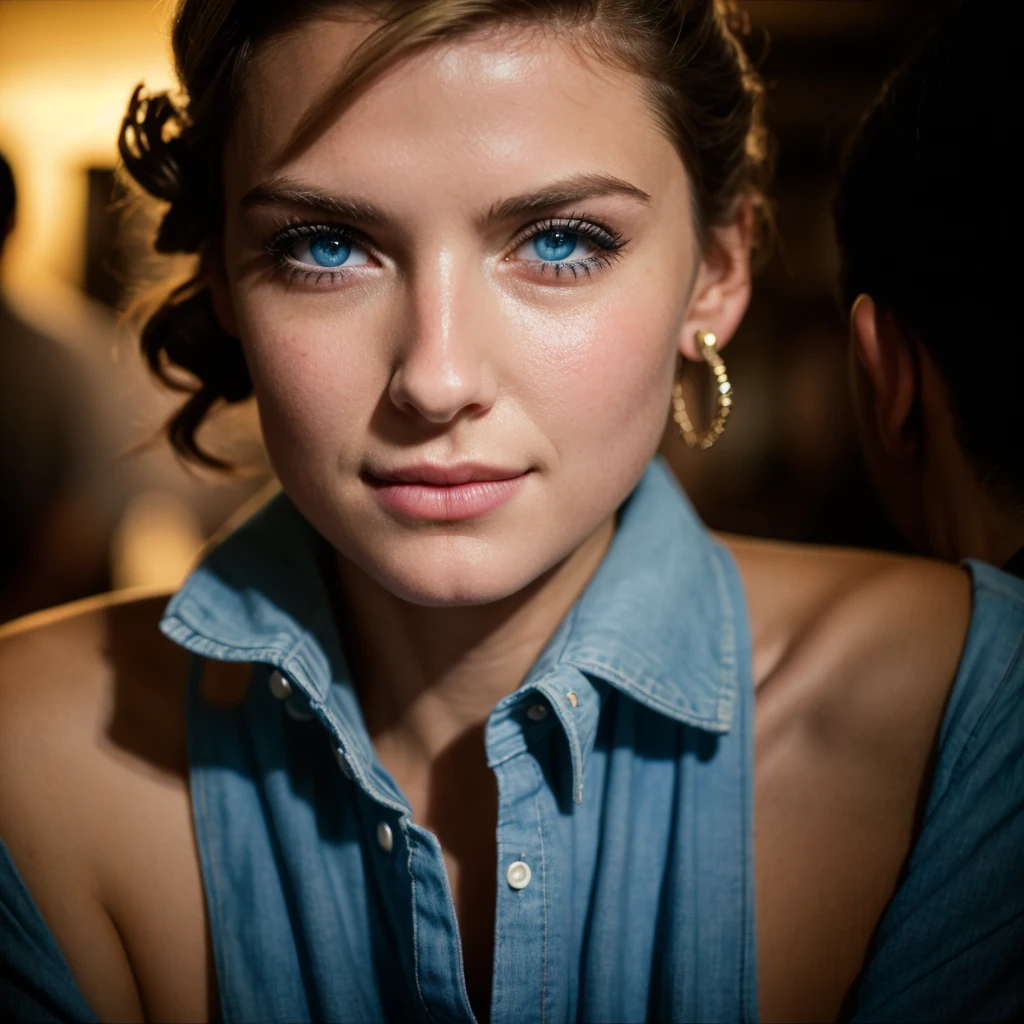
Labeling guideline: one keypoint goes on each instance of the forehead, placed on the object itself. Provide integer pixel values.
(477, 107)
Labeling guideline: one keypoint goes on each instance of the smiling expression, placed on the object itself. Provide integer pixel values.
(461, 304)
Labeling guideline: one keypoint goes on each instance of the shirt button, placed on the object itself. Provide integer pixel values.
(385, 840)
(518, 874)
(300, 714)
(537, 712)
(279, 686)
(342, 763)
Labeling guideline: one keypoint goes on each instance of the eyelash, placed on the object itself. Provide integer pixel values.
(609, 243)
(279, 246)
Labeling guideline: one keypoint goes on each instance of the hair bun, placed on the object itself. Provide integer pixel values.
(151, 159)
(158, 158)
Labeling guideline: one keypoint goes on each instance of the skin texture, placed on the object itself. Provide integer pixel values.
(448, 343)
(908, 434)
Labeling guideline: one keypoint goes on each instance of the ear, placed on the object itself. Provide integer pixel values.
(890, 368)
(215, 275)
(721, 292)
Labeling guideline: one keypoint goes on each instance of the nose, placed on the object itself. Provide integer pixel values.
(443, 368)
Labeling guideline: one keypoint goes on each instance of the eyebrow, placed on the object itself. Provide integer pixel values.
(294, 193)
(574, 189)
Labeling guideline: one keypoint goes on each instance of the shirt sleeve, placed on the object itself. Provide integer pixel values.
(950, 946)
(36, 983)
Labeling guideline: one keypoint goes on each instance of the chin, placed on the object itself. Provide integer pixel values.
(450, 572)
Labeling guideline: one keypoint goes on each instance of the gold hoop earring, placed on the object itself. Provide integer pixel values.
(707, 345)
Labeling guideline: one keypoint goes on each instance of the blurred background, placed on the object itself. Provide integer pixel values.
(90, 505)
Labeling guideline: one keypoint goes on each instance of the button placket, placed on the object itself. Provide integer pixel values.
(568, 706)
(339, 756)
(521, 912)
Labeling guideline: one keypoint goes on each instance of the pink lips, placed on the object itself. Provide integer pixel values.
(445, 493)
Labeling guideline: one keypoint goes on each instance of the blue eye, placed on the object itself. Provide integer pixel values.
(576, 246)
(329, 252)
(555, 246)
(320, 250)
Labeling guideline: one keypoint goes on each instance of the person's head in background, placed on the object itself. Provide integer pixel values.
(927, 220)
(8, 198)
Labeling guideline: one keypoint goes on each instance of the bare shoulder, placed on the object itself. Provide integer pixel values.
(94, 775)
(867, 620)
(88, 682)
(74, 653)
(855, 654)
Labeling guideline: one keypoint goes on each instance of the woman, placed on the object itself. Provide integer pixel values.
(471, 714)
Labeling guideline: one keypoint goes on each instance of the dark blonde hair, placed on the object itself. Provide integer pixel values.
(700, 84)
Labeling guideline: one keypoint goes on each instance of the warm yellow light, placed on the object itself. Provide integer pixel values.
(67, 68)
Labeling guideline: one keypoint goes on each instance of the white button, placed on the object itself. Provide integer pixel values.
(342, 763)
(537, 712)
(518, 874)
(279, 686)
(384, 837)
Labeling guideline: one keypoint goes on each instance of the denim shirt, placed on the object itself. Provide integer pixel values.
(624, 766)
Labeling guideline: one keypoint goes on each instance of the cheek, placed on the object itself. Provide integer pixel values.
(314, 375)
(598, 376)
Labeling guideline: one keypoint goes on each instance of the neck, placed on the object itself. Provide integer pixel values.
(961, 516)
(968, 523)
(428, 675)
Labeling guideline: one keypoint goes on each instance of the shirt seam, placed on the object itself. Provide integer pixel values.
(635, 689)
(544, 905)
(995, 582)
(728, 683)
(929, 971)
(202, 811)
(340, 736)
(415, 925)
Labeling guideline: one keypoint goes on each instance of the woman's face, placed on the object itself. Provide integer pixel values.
(461, 304)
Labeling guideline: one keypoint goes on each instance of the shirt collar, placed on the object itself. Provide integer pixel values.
(663, 619)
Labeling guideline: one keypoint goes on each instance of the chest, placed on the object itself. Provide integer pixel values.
(622, 907)
(455, 798)
(611, 907)
(157, 904)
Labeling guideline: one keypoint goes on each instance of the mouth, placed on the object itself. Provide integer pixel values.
(429, 491)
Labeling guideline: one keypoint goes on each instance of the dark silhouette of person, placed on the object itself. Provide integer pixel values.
(928, 223)
(50, 551)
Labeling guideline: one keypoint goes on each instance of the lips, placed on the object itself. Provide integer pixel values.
(428, 491)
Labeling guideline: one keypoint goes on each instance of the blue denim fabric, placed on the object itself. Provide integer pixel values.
(632, 806)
